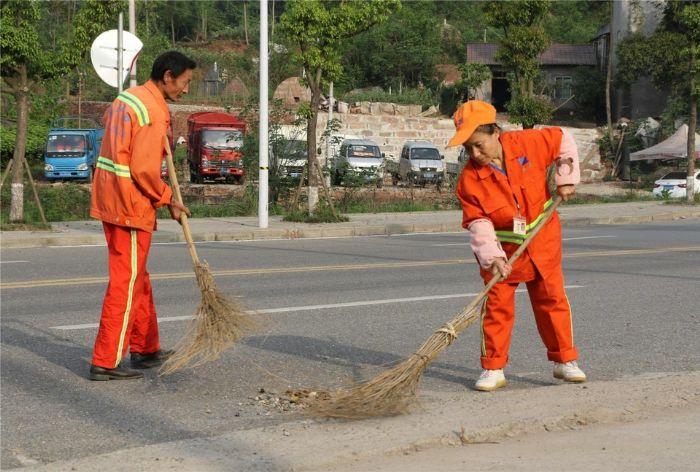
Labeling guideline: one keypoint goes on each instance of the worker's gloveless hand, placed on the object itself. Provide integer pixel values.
(177, 209)
(566, 191)
(501, 266)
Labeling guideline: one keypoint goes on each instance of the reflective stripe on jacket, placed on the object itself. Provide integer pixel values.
(489, 194)
(127, 187)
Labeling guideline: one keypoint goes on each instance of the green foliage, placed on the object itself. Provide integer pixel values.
(529, 111)
(471, 76)
(400, 52)
(589, 93)
(524, 38)
(576, 22)
(69, 202)
(666, 55)
(317, 29)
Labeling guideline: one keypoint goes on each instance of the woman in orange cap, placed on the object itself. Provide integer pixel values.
(503, 190)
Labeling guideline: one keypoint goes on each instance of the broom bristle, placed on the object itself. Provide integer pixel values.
(391, 392)
(217, 324)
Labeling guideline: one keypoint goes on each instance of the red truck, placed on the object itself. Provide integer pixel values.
(215, 142)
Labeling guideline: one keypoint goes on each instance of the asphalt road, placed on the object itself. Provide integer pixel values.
(334, 311)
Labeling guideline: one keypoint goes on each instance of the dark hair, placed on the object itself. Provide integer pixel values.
(487, 129)
(172, 61)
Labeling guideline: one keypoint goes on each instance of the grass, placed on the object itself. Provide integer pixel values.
(71, 202)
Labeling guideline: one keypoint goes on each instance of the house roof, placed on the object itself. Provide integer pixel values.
(555, 55)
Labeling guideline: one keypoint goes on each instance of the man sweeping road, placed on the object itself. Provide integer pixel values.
(127, 190)
(503, 192)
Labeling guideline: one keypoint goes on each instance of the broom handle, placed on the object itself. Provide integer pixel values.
(497, 277)
(178, 194)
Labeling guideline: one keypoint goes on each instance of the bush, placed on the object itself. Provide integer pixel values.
(529, 111)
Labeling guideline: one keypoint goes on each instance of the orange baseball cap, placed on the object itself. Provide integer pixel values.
(469, 117)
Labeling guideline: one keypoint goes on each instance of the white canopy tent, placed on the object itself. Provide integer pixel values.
(675, 147)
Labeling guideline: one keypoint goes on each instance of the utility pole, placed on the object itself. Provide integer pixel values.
(263, 128)
(120, 53)
(132, 30)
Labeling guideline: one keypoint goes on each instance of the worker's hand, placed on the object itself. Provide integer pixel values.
(501, 266)
(566, 191)
(177, 209)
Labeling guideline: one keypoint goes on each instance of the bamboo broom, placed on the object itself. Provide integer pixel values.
(218, 321)
(391, 392)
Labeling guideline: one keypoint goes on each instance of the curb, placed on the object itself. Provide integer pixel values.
(36, 239)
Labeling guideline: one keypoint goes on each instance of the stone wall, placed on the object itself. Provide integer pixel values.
(391, 131)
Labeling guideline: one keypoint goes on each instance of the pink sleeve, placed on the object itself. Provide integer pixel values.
(568, 170)
(484, 242)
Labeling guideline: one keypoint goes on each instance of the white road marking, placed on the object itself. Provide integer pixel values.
(588, 237)
(563, 239)
(315, 307)
(13, 262)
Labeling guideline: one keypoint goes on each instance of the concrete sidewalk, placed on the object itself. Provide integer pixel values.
(365, 224)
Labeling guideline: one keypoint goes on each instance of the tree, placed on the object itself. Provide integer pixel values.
(524, 39)
(27, 62)
(317, 29)
(671, 57)
(400, 52)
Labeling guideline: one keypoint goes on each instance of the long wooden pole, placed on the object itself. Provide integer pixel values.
(178, 195)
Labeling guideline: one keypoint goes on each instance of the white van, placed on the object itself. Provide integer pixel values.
(288, 151)
(360, 158)
(421, 163)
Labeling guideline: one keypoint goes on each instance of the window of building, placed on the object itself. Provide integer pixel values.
(562, 87)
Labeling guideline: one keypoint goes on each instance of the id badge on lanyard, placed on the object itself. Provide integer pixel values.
(519, 223)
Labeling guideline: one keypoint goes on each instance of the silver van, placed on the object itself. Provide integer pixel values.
(421, 163)
(359, 159)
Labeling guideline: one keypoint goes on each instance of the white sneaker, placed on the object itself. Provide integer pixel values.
(490, 380)
(569, 371)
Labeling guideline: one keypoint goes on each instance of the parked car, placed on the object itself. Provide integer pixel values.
(420, 164)
(360, 158)
(674, 184)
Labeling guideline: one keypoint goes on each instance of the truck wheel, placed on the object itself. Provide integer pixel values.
(195, 178)
(394, 181)
(91, 173)
(337, 179)
(380, 183)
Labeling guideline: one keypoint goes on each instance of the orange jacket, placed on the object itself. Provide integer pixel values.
(127, 187)
(486, 193)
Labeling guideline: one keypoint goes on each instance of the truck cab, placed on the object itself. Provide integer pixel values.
(359, 159)
(215, 142)
(72, 147)
(421, 163)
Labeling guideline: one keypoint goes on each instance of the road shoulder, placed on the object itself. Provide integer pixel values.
(639, 405)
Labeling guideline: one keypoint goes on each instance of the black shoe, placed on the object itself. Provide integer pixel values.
(118, 373)
(147, 361)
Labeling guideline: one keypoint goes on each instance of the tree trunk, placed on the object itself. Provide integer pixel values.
(692, 124)
(608, 80)
(245, 21)
(272, 28)
(17, 201)
(315, 86)
(172, 26)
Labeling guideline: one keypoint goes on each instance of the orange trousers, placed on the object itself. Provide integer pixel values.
(552, 316)
(128, 312)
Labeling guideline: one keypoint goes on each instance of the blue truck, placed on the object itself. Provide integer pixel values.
(72, 148)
